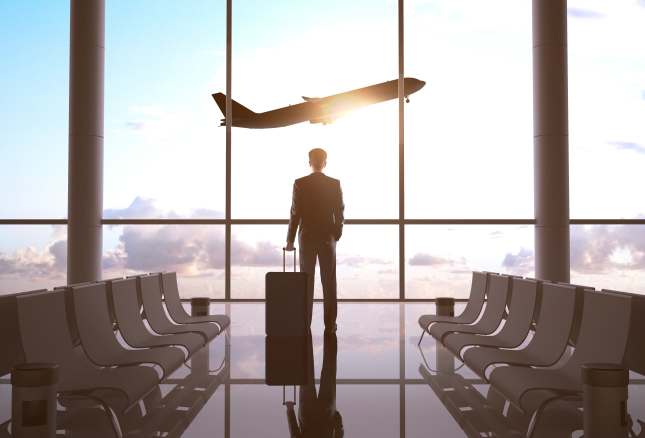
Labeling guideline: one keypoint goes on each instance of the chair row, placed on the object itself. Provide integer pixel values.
(513, 328)
(106, 348)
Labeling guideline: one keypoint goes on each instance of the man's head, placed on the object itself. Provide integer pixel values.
(317, 159)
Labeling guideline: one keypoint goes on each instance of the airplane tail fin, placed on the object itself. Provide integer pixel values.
(239, 110)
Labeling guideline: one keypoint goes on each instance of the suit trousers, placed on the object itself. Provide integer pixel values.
(323, 250)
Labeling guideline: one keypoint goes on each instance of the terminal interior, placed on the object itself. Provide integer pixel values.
(491, 268)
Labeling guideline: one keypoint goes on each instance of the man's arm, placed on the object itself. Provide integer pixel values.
(339, 213)
(294, 218)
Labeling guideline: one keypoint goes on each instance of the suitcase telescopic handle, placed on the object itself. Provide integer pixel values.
(284, 259)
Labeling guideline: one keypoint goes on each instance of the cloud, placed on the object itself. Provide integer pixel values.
(584, 13)
(135, 126)
(599, 249)
(356, 261)
(147, 208)
(188, 250)
(521, 263)
(423, 259)
(33, 263)
(629, 146)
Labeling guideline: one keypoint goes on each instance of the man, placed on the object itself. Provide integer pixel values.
(317, 210)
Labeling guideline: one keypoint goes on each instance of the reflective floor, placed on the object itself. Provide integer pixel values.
(373, 375)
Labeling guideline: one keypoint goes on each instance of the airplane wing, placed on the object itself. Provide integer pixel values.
(310, 99)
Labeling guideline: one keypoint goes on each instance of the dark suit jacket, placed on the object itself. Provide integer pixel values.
(317, 208)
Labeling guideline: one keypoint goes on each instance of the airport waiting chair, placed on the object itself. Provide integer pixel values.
(471, 311)
(516, 327)
(549, 341)
(177, 311)
(134, 331)
(12, 351)
(497, 292)
(635, 354)
(603, 338)
(149, 287)
(45, 337)
(99, 340)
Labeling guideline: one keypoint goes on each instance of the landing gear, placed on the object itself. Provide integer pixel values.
(407, 99)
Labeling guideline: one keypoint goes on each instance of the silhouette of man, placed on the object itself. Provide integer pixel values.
(317, 414)
(317, 211)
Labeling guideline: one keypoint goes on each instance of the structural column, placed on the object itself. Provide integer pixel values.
(551, 140)
(85, 181)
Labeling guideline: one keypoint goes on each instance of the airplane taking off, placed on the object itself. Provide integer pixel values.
(317, 109)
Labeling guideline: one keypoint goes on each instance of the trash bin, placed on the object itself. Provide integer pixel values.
(33, 400)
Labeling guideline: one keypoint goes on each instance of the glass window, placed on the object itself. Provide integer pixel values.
(164, 59)
(196, 253)
(468, 132)
(606, 108)
(609, 257)
(440, 259)
(32, 257)
(293, 49)
(34, 108)
(366, 256)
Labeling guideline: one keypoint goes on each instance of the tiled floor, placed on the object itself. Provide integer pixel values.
(385, 387)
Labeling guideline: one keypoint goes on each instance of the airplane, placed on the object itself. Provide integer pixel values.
(316, 109)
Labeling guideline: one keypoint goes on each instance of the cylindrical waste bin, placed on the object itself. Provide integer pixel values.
(199, 306)
(445, 306)
(605, 400)
(33, 400)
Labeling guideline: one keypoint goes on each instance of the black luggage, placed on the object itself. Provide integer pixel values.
(286, 301)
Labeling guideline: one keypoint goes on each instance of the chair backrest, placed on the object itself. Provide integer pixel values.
(603, 331)
(553, 325)
(93, 320)
(11, 349)
(44, 330)
(521, 307)
(171, 292)
(497, 293)
(150, 291)
(477, 296)
(577, 317)
(635, 354)
(127, 310)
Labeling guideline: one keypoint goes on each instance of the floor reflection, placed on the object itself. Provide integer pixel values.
(383, 385)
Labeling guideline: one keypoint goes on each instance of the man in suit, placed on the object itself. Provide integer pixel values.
(317, 214)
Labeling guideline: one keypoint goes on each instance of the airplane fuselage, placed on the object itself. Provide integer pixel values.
(327, 109)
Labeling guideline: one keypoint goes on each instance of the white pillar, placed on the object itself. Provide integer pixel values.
(551, 140)
(85, 183)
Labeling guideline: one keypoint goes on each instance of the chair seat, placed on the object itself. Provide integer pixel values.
(455, 342)
(528, 388)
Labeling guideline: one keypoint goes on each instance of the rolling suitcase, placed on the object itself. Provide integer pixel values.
(286, 301)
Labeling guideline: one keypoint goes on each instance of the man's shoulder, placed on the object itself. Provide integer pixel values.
(316, 177)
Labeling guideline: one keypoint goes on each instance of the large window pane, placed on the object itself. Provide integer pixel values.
(366, 255)
(32, 257)
(440, 259)
(304, 48)
(609, 256)
(162, 141)
(468, 133)
(607, 108)
(33, 109)
(196, 253)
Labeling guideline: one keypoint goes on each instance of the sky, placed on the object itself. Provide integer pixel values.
(468, 138)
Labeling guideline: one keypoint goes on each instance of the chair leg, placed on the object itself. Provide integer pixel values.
(538, 412)
(421, 338)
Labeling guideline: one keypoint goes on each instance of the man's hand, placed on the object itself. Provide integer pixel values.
(289, 247)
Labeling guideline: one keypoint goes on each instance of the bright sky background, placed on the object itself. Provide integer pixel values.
(468, 137)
